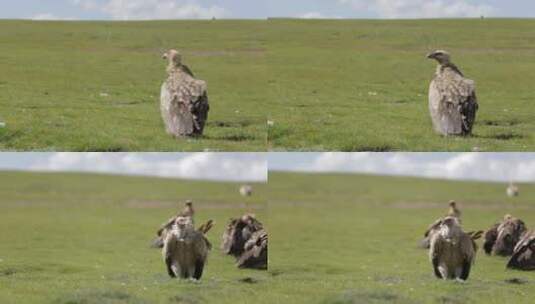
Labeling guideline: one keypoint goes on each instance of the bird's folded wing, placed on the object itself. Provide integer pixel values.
(455, 88)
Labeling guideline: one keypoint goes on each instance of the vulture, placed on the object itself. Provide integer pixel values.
(452, 251)
(452, 211)
(452, 98)
(189, 212)
(502, 237)
(512, 190)
(185, 250)
(246, 190)
(183, 100)
(524, 254)
(246, 239)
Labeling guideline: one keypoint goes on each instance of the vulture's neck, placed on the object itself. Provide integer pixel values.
(448, 65)
(173, 68)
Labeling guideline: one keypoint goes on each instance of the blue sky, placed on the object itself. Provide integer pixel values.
(206, 166)
(501, 167)
(194, 9)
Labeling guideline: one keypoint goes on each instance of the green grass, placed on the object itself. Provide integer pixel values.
(71, 238)
(349, 85)
(95, 86)
(354, 239)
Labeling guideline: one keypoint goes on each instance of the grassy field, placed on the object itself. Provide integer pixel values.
(84, 239)
(354, 239)
(349, 85)
(95, 86)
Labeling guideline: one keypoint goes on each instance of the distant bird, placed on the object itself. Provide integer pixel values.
(502, 237)
(452, 251)
(185, 250)
(246, 190)
(452, 211)
(512, 190)
(524, 254)
(452, 98)
(246, 239)
(184, 99)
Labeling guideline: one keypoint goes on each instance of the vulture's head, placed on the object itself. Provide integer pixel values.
(173, 56)
(509, 233)
(441, 56)
(449, 227)
(453, 204)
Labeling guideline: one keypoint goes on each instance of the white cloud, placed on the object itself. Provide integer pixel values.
(421, 8)
(152, 9)
(315, 15)
(211, 166)
(473, 166)
(48, 16)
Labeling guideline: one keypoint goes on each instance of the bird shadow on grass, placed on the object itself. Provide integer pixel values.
(500, 136)
(231, 137)
(186, 299)
(366, 148)
(101, 297)
(374, 297)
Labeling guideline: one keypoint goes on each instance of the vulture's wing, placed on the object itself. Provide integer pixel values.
(169, 251)
(524, 254)
(433, 226)
(490, 238)
(228, 236)
(435, 251)
(453, 87)
(468, 247)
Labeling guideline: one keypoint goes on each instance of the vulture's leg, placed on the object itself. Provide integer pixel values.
(438, 274)
(169, 264)
(466, 270)
(199, 267)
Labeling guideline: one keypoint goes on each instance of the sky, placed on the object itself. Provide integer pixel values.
(246, 167)
(496, 167)
(255, 9)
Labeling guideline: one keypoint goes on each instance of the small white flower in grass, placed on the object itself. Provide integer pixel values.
(270, 123)
(372, 93)
(2, 124)
(104, 95)
(237, 111)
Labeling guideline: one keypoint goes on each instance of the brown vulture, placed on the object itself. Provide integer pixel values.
(452, 98)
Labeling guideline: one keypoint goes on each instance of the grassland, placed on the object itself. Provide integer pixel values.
(95, 86)
(361, 85)
(354, 239)
(70, 238)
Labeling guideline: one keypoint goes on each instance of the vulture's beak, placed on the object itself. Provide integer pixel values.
(164, 56)
(431, 56)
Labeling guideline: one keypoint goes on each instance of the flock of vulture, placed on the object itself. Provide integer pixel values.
(452, 251)
(185, 249)
(184, 99)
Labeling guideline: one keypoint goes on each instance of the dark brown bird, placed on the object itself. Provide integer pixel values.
(452, 252)
(502, 237)
(452, 98)
(246, 239)
(523, 257)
